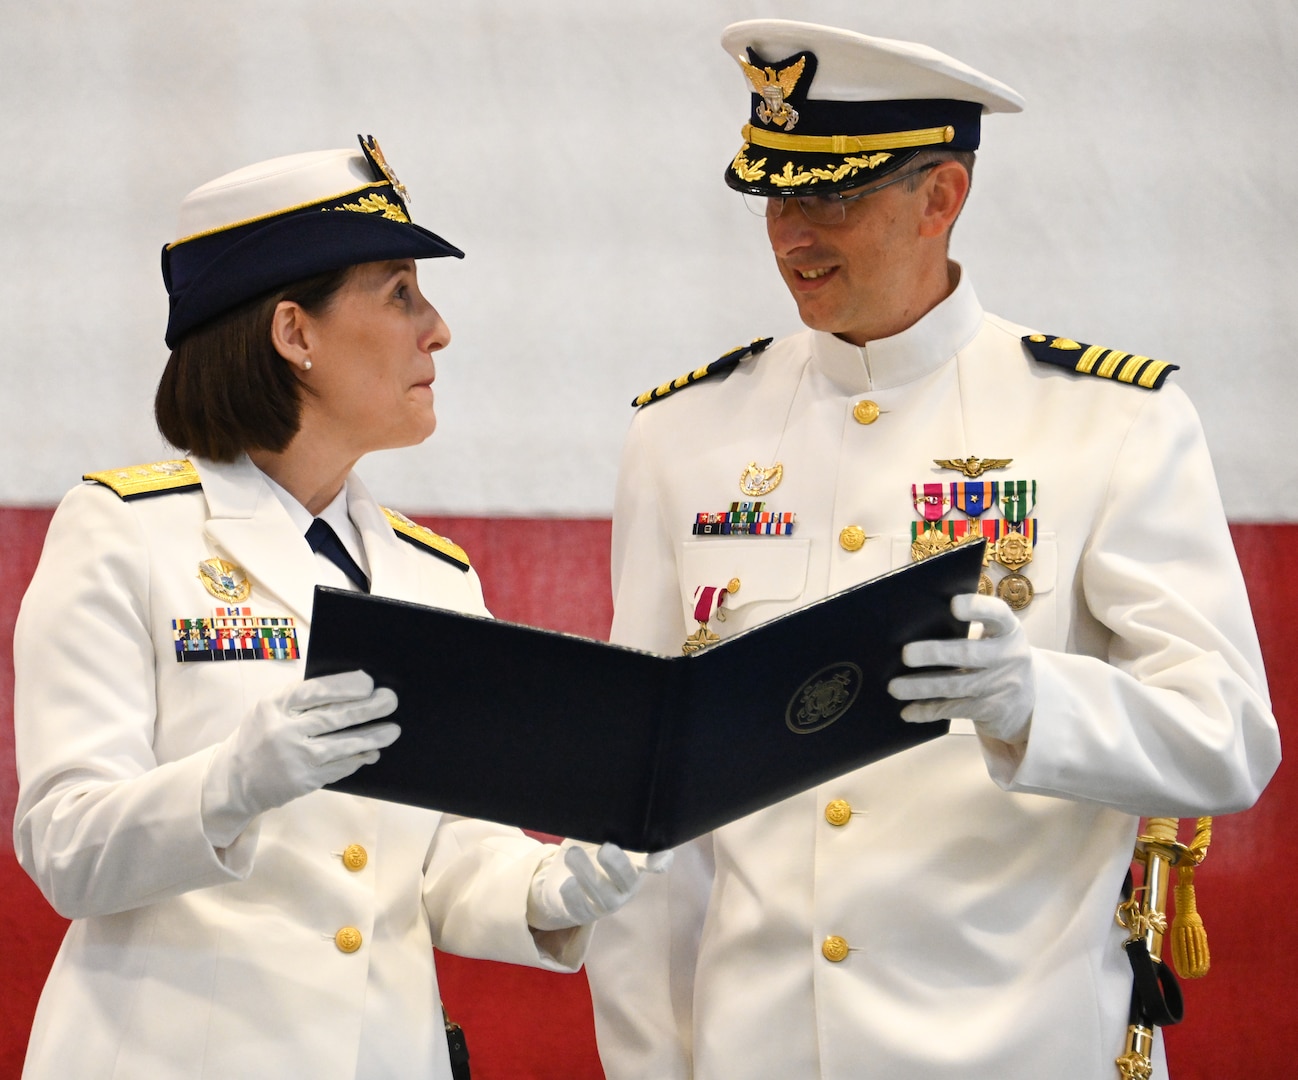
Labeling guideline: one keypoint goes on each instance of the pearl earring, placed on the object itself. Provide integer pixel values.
(306, 365)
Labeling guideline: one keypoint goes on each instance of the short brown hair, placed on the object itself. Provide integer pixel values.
(225, 389)
(964, 158)
(927, 157)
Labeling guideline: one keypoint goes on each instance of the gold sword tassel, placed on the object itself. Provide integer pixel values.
(1144, 916)
(1189, 937)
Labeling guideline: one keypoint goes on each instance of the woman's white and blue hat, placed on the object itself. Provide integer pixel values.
(279, 221)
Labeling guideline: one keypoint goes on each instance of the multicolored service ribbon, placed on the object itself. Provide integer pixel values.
(744, 519)
(235, 634)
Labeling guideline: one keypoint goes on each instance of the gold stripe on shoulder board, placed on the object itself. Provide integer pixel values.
(152, 479)
(1098, 361)
(425, 538)
(723, 363)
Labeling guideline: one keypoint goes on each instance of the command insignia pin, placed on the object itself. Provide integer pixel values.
(758, 481)
(224, 580)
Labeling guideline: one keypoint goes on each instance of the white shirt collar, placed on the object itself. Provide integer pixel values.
(336, 514)
(915, 352)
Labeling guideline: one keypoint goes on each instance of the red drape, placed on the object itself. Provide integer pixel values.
(533, 1025)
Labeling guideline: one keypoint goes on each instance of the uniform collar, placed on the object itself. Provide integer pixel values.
(233, 489)
(917, 351)
(337, 514)
(249, 527)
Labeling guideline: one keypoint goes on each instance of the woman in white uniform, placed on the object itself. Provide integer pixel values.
(229, 918)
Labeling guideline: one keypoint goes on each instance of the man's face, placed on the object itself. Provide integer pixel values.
(863, 278)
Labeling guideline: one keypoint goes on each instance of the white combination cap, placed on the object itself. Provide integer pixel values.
(833, 109)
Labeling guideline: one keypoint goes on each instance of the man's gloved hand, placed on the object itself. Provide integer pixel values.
(991, 681)
(292, 744)
(580, 883)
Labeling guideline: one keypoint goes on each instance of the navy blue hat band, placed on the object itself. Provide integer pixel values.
(212, 274)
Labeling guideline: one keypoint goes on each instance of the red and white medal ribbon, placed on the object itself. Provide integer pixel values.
(707, 602)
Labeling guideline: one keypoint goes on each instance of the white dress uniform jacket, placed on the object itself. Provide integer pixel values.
(182, 960)
(978, 909)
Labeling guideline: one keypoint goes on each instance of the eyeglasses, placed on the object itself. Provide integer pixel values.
(830, 209)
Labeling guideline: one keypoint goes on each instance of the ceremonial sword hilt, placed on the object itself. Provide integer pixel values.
(1155, 994)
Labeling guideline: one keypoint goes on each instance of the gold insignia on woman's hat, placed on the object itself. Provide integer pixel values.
(370, 145)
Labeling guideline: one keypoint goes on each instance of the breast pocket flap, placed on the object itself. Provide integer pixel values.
(758, 569)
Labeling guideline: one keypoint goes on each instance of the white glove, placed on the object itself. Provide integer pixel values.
(570, 888)
(291, 744)
(991, 681)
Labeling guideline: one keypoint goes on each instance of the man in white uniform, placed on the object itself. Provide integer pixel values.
(947, 912)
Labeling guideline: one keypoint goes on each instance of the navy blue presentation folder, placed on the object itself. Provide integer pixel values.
(575, 737)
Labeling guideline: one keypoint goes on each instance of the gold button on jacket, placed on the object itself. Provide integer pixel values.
(355, 857)
(834, 949)
(852, 538)
(838, 812)
(865, 412)
(348, 939)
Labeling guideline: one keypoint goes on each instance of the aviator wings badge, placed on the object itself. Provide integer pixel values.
(972, 467)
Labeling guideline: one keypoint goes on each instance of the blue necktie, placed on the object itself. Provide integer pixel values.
(324, 541)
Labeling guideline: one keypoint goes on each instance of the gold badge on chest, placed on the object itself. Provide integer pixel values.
(972, 466)
(223, 580)
(757, 481)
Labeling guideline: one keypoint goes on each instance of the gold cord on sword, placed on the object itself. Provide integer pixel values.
(1144, 915)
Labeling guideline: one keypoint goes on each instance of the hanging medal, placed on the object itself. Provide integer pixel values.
(992, 530)
(707, 603)
(1014, 548)
(1018, 499)
(929, 536)
(975, 498)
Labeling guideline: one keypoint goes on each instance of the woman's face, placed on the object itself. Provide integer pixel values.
(372, 370)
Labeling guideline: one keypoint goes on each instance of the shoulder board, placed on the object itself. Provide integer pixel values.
(425, 538)
(136, 481)
(724, 363)
(1098, 361)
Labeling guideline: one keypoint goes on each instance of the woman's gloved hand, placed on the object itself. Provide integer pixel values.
(292, 744)
(579, 883)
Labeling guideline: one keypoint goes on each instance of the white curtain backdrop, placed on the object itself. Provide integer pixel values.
(575, 149)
